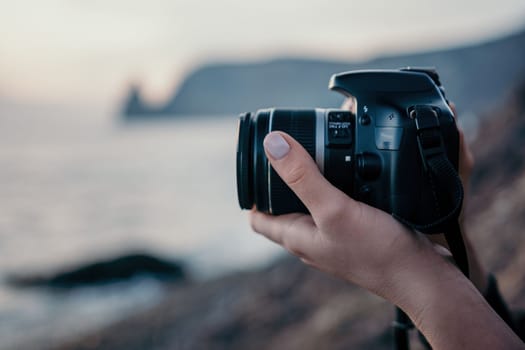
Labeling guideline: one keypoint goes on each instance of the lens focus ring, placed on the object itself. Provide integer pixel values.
(301, 125)
(244, 176)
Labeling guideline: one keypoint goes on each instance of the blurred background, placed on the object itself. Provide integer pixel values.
(119, 223)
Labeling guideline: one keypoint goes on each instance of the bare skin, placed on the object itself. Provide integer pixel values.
(366, 246)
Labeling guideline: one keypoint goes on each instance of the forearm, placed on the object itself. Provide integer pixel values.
(478, 275)
(449, 310)
(475, 326)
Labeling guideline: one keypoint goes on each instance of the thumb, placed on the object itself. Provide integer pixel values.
(299, 171)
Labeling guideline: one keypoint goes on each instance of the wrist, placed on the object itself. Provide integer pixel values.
(448, 309)
(422, 281)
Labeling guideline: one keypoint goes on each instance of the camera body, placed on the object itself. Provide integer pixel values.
(374, 153)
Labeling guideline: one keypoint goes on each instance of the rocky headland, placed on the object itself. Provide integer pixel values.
(476, 76)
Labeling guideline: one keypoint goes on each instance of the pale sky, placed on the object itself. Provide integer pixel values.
(87, 51)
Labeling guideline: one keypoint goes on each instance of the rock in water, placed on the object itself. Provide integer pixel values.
(107, 271)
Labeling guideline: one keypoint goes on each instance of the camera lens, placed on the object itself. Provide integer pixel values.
(244, 176)
(257, 182)
(252, 165)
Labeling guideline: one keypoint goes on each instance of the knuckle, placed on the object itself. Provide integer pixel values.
(296, 252)
(471, 161)
(342, 214)
(292, 247)
(254, 222)
(358, 213)
(334, 214)
(291, 241)
(296, 175)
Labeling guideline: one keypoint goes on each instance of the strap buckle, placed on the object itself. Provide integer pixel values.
(429, 138)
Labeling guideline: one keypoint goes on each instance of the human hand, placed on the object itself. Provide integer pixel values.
(367, 246)
(466, 163)
(342, 236)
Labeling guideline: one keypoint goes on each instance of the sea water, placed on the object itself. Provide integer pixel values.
(77, 188)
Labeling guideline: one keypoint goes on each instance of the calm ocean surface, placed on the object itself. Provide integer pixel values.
(74, 189)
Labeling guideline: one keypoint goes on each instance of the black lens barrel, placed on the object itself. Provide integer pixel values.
(257, 183)
(260, 162)
(301, 125)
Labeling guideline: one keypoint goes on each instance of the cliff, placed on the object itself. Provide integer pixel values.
(475, 77)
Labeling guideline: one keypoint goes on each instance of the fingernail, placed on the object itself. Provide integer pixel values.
(275, 144)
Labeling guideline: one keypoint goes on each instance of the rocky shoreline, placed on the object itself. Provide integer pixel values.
(285, 306)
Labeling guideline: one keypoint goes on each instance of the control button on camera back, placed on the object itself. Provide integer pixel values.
(339, 129)
(364, 119)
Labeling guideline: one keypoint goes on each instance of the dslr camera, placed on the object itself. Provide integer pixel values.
(391, 151)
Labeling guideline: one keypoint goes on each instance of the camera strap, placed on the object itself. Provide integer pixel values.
(447, 191)
(445, 182)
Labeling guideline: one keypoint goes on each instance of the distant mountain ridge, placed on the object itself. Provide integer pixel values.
(475, 77)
